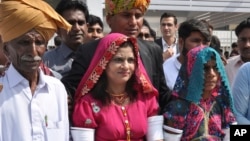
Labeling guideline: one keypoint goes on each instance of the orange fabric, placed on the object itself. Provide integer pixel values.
(116, 6)
(20, 16)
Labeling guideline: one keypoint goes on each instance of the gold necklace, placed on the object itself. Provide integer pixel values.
(119, 99)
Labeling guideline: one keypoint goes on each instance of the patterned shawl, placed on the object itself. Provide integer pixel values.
(190, 81)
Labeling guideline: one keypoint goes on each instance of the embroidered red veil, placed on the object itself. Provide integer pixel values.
(106, 49)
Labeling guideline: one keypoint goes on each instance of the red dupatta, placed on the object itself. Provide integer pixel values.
(105, 51)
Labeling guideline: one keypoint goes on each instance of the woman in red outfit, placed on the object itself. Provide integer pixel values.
(115, 98)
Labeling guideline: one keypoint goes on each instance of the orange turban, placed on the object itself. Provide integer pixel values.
(116, 6)
(20, 16)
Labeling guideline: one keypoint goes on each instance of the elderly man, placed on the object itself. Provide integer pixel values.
(33, 106)
(126, 17)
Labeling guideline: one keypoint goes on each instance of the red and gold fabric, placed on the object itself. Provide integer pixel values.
(106, 49)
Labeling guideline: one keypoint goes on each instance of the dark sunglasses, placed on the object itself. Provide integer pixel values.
(146, 35)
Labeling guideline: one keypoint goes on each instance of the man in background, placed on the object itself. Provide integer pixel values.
(127, 20)
(95, 28)
(242, 32)
(192, 33)
(235, 50)
(146, 32)
(168, 42)
(76, 13)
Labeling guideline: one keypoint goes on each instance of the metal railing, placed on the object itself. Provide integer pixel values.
(201, 5)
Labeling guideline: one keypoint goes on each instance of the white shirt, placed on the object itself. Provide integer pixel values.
(41, 117)
(166, 46)
(232, 67)
(171, 69)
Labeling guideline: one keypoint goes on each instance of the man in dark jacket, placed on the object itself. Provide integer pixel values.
(127, 20)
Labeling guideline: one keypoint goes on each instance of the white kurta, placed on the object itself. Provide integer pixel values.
(171, 69)
(42, 117)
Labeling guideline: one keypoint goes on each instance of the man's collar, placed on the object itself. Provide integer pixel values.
(65, 50)
(164, 43)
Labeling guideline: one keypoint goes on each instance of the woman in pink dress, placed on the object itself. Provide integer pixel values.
(115, 97)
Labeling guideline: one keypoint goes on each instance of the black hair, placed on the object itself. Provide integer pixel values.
(99, 91)
(57, 41)
(193, 25)
(151, 31)
(168, 15)
(234, 45)
(208, 24)
(233, 51)
(93, 19)
(65, 5)
(244, 24)
(215, 43)
(226, 54)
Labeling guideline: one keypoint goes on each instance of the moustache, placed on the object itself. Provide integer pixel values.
(29, 58)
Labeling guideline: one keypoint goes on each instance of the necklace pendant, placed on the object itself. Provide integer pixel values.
(120, 100)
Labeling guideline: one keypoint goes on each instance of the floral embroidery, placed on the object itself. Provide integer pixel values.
(102, 57)
(146, 86)
(100, 67)
(229, 115)
(95, 108)
(88, 121)
(215, 123)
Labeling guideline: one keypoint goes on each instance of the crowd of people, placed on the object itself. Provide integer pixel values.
(126, 85)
